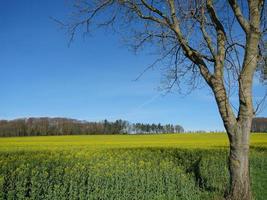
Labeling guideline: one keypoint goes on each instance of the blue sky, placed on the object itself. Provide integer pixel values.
(92, 80)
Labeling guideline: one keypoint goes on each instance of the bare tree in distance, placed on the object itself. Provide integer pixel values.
(220, 42)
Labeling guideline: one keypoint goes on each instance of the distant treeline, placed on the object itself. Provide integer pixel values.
(63, 126)
(259, 125)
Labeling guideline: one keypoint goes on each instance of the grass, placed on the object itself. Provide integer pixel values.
(174, 166)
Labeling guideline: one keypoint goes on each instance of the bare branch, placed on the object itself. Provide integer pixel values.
(157, 11)
(205, 34)
(135, 7)
(221, 39)
(157, 61)
(260, 104)
(193, 55)
(238, 14)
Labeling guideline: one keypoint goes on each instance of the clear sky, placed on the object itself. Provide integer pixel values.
(91, 80)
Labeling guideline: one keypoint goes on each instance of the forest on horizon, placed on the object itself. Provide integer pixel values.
(43, 126)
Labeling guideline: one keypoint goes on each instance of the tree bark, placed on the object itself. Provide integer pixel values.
(240, 188)
(238, 130)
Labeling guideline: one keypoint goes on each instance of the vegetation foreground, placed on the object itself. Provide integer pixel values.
(175, 166)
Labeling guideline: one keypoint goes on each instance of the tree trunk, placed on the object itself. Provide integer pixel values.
(238, 130)
(240, 188)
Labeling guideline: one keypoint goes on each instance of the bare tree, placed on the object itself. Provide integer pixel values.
(219, 41)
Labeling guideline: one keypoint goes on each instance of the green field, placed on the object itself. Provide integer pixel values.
(178, 166)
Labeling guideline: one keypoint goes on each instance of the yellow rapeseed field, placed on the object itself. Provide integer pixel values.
(200, 140)
(123, 167)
